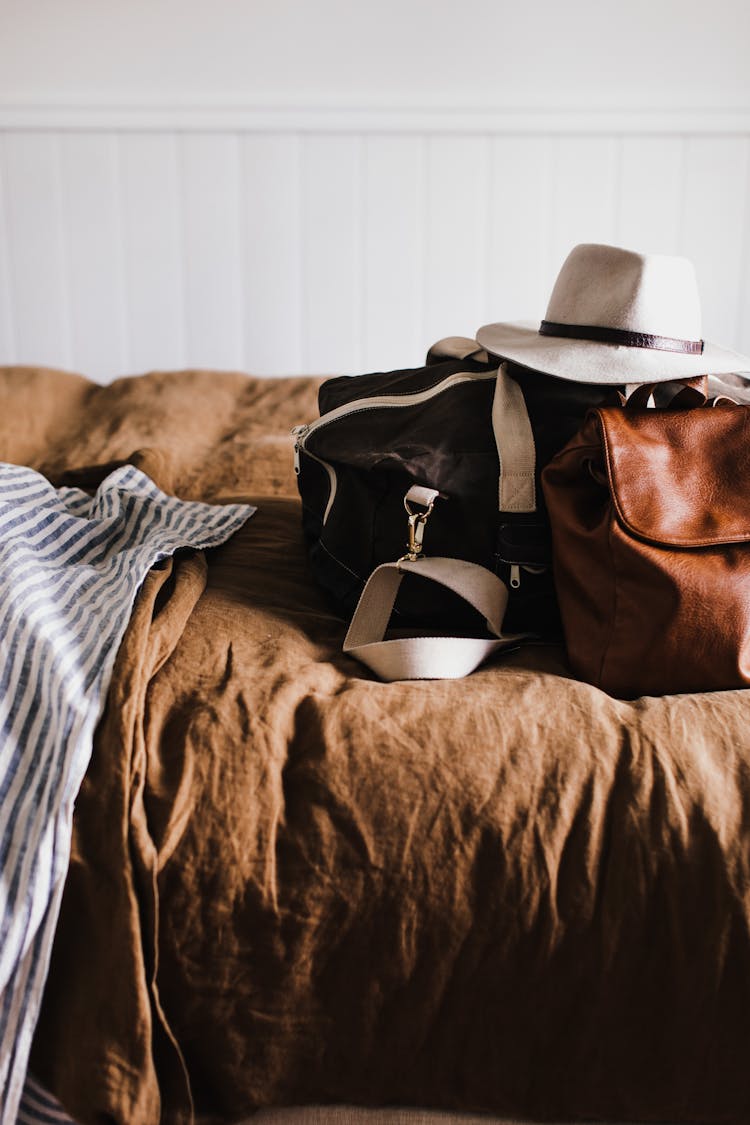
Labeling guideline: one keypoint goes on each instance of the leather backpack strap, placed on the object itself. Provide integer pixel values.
(692, 392)
(427, 657)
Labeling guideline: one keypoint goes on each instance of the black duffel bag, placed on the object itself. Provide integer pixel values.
(476, 434)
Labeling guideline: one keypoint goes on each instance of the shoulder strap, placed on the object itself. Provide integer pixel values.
(681, 393)
(427, 657)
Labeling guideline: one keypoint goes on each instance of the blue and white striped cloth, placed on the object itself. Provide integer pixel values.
(38, 1107)
(71, 566)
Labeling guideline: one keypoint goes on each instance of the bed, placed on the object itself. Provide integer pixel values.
(292, 885)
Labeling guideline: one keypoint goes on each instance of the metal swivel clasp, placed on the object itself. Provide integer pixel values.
(418, 503)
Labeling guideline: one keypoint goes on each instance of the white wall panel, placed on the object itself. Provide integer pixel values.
(742, 339)
(7, 340)
(340, 250)
(332, 176)
(584, 193)
(36, 250)
(457, 248)
(208, 171)
(520, 229)
(271, 243)
(153, 256)
(96, 297)
(714, 215)
(651, 193)
(393, 289)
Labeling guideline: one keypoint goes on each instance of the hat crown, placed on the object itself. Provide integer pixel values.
(607, 287)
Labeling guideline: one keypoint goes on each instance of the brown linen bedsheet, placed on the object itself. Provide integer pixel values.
(292, 884)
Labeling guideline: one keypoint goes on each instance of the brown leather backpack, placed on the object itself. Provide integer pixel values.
(650, 519)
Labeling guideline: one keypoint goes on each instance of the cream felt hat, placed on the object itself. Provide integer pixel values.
(616, 317)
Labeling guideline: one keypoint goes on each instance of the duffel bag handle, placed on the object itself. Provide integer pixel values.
(456, 347)
(516, 450)
(420, 657)
(514, 438)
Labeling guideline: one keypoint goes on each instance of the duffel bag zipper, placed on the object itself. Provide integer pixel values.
(299, 433)
(514, 578)
(302, 433)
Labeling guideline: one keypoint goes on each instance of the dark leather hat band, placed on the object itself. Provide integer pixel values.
(620, 336)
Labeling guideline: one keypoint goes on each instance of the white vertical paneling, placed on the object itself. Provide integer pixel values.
(333, 235)
(271, 238)
(36, 250)
(393, 252)
(714, 214)
(154, 266)
(7, 335)
(209, 173)
(457, 252)
(328, 250)
(520, 228)
(94, 254)
(584, 195)
(650, 194)
(742, 338)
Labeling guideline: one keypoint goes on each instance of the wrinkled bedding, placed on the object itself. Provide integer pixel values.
(292, 884)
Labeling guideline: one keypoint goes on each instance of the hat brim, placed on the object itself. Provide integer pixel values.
(587, 361)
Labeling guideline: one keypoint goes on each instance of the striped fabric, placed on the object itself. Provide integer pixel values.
(40, 1108)
(70, 569)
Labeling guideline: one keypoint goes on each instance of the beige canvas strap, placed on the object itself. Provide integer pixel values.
(456, 347)
(510, 422)
(515, 446)
(427, 657)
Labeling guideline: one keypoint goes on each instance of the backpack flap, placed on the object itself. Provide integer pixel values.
(677, 477)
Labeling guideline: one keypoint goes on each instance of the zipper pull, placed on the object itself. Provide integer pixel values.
(298, 433)
(515, 576)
